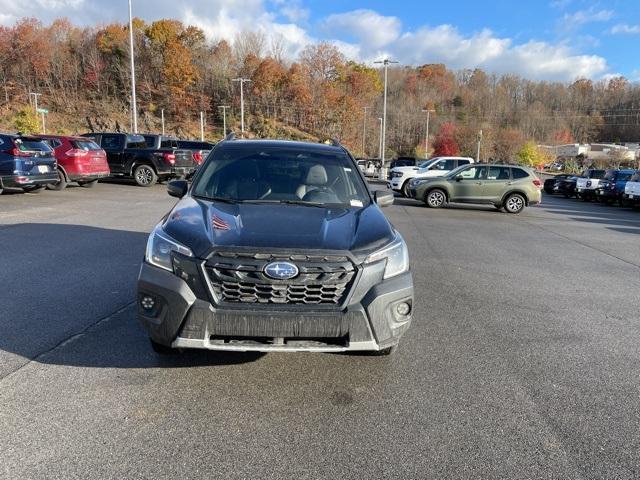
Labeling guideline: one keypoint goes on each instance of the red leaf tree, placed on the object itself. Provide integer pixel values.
(445, 143)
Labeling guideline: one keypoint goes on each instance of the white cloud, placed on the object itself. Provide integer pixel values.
(536, 60)
(623, 28)
(582, 17)
(362, 35)
(367, 26)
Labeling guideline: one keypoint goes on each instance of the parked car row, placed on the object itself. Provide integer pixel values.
(621, 186)
(33, 162)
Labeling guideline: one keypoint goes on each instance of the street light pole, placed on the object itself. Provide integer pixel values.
(241, 80)
(224, 119)
(380, 143)
(162, 116)
(134, 108)
(386, 62)
(364, 132)
(479, 142)
(426, 135)
(202, 126)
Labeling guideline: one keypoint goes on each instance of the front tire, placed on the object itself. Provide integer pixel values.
(405, 189)
(89, 184)
(514, 203)
(435, 198)
(145, 176)
(61, 184)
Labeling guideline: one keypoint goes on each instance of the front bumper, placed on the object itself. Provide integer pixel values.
(28, 180)
(182, 319)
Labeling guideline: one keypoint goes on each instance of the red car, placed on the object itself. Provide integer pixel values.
(79, 160)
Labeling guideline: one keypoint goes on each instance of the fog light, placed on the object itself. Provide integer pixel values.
(403, 308)
(147, 303)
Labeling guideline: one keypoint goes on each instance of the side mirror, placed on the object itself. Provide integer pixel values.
(177, 188)
(459, 178)
(382, 198)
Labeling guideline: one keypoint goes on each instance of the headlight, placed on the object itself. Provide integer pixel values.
(159, 248)
(396, 255)
(397, 174)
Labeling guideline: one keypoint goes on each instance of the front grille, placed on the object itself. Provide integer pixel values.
(239, 278)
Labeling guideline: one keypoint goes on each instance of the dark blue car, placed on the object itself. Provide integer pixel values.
(26, 162)
(611, 187)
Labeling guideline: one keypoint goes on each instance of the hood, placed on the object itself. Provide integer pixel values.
(202, 225)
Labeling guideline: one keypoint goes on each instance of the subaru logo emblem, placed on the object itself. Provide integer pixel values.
(281, 270)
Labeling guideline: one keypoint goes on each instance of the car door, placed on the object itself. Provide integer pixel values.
(467, 185)
(498, 179)
(114, 146)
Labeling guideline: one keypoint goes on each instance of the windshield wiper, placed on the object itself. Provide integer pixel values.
(290, 202)
(216, 199)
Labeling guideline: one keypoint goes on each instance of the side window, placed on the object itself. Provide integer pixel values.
(498, 173)
(111, 142)
(474, 173)
(518, 173)
(463, 162)
(445, 165)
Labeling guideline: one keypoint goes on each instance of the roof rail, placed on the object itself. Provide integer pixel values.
(230, 136)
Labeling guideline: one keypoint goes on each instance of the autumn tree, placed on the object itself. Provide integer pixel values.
(445, 143)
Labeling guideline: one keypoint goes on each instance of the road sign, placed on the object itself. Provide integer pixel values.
(42, 110)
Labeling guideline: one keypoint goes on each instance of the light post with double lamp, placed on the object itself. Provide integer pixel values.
(426, 135)
(134, 108)
(241, 81)
(386, 62)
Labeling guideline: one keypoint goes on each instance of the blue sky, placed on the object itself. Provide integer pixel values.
(539, 39)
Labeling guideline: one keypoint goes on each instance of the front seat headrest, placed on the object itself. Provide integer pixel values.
(317, 176)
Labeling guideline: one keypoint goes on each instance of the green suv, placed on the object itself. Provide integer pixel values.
(510, 187)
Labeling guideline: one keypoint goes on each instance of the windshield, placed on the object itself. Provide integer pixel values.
(427, 163)
(635, 177)
(455, 171)
(276, 174)
(32, 145)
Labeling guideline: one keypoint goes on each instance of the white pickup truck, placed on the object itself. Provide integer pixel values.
(632, 189)
(435, 167)
(587, 184)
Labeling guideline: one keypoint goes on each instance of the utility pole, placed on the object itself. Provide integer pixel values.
(380, 143)
(162, 116)
(224, 119)
(241, 81)
(202, 126)
(386, 62)
(134, 107)
(44, 128)
(35, 99)
(364, 132)
(426, 135)
(479, 143)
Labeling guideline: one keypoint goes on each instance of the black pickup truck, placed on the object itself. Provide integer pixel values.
(129, 156)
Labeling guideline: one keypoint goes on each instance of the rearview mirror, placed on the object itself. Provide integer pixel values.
(177, 188)
(383, 198)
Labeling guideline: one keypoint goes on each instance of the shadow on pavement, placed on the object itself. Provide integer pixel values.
(75, 285)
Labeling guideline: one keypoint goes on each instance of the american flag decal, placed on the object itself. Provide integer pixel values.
(219, 224)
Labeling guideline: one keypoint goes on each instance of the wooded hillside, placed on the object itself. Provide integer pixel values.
(83, 75)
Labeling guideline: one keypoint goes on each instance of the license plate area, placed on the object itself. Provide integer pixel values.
(43, 169)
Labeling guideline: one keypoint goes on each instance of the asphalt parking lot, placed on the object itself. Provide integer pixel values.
(522, 361)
